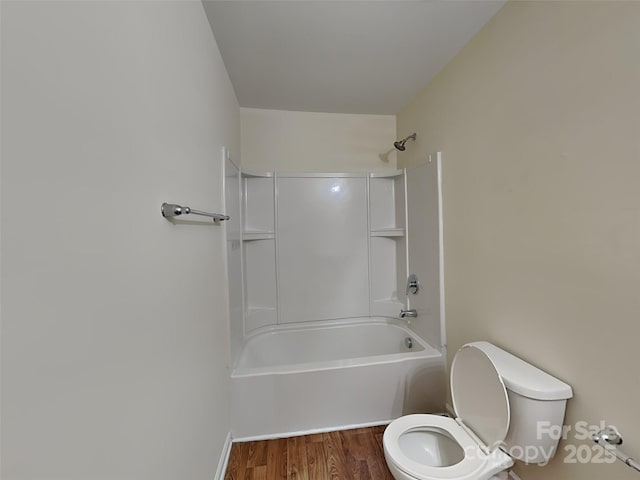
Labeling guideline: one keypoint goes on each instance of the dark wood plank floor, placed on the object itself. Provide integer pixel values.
(349, 454)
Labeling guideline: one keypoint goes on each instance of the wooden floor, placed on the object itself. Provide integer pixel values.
(349, 454)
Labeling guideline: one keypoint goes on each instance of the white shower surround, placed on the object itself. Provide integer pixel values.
(322, 246)
(333, 358)
(328, 375)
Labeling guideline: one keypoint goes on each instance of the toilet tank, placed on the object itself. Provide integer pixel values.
(537, 404)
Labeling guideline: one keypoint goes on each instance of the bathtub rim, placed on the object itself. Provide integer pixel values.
(428, 350)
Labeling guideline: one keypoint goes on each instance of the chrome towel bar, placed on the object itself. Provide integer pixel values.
(609, 439)
(173, 210)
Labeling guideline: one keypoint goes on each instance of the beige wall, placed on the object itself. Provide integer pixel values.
(114, 320)
(284, 141)
(538, 119)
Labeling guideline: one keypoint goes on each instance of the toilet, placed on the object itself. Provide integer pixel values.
(505, 409)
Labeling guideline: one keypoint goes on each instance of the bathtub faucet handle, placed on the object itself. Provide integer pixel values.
(408, 313)
(413, 285)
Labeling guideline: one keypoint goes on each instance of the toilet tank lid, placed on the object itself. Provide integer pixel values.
(522, 377)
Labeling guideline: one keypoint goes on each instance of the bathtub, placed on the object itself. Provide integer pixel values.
(320, 376)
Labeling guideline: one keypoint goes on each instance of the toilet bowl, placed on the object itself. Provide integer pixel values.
(485, 382)
(430, 447)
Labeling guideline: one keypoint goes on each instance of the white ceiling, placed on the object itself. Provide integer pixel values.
(340, 56)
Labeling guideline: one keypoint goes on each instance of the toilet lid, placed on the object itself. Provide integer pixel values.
(479, 396)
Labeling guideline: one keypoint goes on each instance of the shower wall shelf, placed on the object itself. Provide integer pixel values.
(255, 174)
(388, 232)
(395, 173)
(252, 236)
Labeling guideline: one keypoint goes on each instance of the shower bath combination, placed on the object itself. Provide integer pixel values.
(292, 336)
(400, 144)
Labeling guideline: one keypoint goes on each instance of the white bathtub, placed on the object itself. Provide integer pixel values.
(329, 375)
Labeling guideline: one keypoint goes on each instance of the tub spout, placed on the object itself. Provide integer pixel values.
(408, 313)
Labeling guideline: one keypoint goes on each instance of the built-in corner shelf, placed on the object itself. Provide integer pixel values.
(259, 249)
(387, 241)
(389, 174)
(249, 236)
(388, 232)
(254, 174)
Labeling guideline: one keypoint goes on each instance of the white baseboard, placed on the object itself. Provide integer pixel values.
(299, 433)
(224, 459)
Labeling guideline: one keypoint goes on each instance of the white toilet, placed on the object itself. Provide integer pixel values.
(505, 409)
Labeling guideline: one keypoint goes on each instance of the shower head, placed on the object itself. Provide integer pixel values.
(400, 143)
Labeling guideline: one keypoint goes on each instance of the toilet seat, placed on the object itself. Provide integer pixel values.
(481, 402)
(472, 466)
